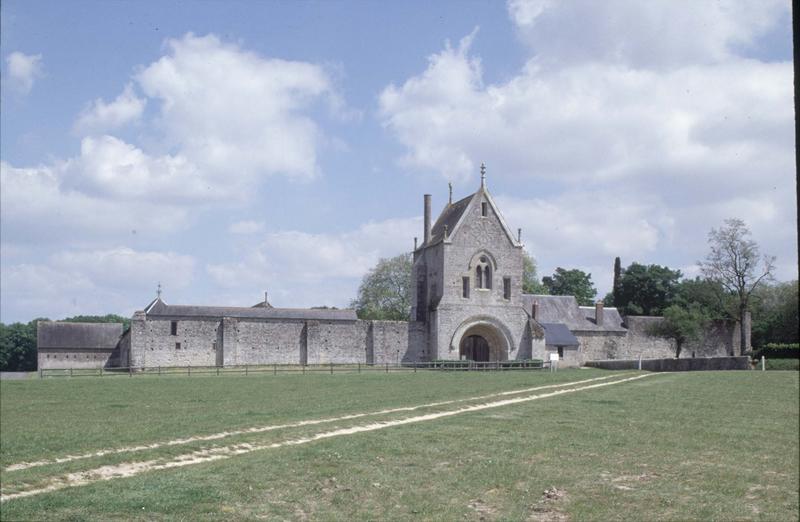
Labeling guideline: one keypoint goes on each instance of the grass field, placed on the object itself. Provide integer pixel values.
(702, 445)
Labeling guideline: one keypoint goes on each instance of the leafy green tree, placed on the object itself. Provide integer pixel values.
(646, 290)
(108, 318)
(615, 289)
(735, 263)
(18, 347)
(775, 314)
(571, 282)
(385, 291)
(716, 302)
(683, 324)
(530, 278)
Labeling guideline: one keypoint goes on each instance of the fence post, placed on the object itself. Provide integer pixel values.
(640, 362)
(245, 370)
(217, 370)
(331, 368)
(359, 367)
(274, 369)
(130, 371)
(159, 370)
(763, 363)
(387, 367)
(188, 370)
(415, 367)
(70, 371)
(101, 371)
(41, 373)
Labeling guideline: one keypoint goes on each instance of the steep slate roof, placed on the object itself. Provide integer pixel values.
(453, 214)
(450, 216)
(161, 309)
(93, 336)
(612, 321)
(564, 309)
(557, 334)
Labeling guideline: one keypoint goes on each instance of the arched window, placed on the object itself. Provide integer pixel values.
(483, 273)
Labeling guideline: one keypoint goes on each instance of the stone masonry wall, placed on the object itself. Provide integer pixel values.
(73, 358)
(262, 342)
(208, 342)
(153, 344)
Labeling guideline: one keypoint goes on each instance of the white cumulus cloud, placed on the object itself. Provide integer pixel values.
(306, 269)
(84, 282)
(24, 70)
(235, 113)
(101, 116)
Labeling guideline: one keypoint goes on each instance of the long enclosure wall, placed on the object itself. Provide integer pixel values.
(231, 342)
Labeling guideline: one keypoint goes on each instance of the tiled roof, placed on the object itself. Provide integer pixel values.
(557, 334)
(95, 336)
(564, 309)
(449, 216)
(161, 309)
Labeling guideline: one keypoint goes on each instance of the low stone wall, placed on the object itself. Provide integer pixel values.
(675, 365)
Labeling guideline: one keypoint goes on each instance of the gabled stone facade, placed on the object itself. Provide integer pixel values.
(468, 285)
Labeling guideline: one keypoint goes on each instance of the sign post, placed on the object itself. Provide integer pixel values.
(553, 362)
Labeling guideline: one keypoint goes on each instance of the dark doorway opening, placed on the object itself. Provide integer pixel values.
(475, 348)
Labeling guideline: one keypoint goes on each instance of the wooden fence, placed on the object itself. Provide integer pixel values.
(445, 366)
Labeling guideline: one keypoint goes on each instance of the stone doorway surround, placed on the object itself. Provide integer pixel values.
(481, 339)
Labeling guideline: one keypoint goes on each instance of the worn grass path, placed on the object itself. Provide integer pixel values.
(697, 446)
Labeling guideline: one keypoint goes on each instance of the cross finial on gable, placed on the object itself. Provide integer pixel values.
(450, 188)
(483, 175)
(158, 290)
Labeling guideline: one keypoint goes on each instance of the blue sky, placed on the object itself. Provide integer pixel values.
(227, 148)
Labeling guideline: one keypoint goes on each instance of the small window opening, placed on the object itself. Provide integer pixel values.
(465, 287)
(560, 352)
(483, 274)
(483, 209)
(507, 287)
(173, 328)
(177, 346)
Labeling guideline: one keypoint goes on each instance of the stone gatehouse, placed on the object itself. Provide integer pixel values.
(467, 303)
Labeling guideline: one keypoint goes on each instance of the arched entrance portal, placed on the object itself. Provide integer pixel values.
(474, 348)
(481, 339)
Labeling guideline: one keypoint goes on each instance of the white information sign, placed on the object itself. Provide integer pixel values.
(554, 357)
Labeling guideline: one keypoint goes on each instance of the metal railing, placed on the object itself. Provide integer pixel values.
(331, 368)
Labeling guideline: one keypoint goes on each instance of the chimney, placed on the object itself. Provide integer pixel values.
(415, 244)
(427, 219)
(519, 235)
(266, 303)
(535, 310)
(598, 313)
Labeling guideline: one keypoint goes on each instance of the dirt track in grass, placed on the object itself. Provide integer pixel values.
(129, 469)
(262, 429)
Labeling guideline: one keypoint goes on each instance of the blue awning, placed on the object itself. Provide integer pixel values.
(557, 334)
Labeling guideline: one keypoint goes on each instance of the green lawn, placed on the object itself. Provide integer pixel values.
(703, 446)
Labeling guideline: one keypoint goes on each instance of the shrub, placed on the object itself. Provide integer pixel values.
(778, 351)
(783, 364)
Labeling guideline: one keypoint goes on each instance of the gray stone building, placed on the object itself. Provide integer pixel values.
(467, 303)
